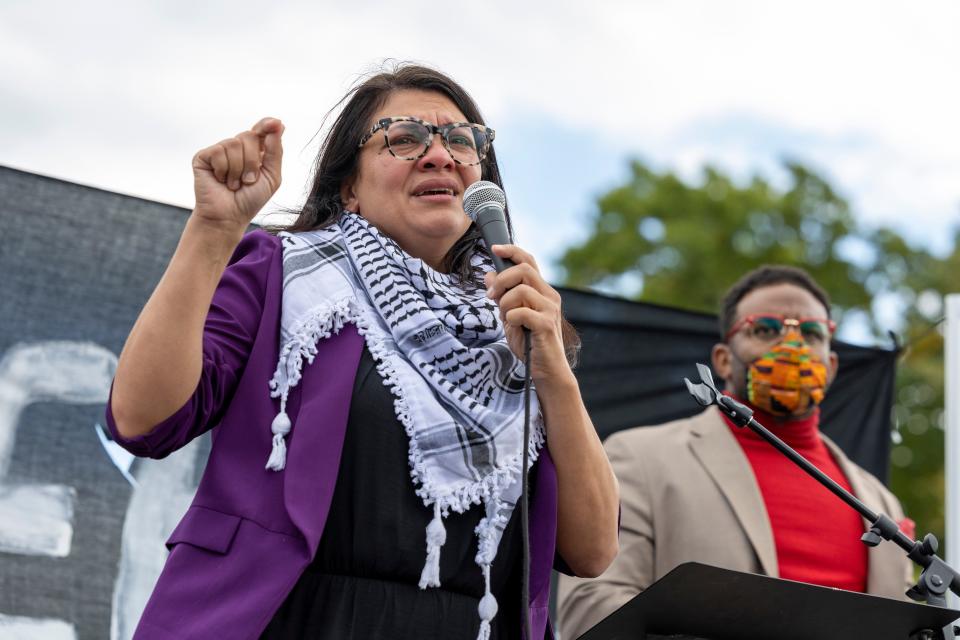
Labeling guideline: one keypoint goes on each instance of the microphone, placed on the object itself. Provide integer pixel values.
(486, 203)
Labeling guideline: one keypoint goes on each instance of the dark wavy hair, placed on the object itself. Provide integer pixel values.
(766, 276)
(339, 157)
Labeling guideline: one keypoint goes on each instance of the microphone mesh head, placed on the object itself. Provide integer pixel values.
(482, 192)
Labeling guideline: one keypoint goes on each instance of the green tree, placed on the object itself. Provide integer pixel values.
(665, 240)
(917, 472)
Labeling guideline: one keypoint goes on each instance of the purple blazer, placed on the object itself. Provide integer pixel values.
(249, 533)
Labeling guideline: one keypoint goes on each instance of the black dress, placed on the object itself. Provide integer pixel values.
(363, 581)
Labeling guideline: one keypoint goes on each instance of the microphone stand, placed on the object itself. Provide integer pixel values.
(937, 576)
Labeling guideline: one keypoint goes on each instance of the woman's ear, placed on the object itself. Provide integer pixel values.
(348, 196)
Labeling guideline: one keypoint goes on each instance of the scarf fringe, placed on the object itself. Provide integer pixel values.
(302, 345)
(461, 498)
(486, 491)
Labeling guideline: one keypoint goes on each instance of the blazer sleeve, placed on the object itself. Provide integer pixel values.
(582, 603)
(229, 332)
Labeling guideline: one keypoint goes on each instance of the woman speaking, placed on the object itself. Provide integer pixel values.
(363, 369)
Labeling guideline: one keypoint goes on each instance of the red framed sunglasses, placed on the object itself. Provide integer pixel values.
(770, 326)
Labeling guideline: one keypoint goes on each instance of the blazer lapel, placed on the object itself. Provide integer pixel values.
(319, 425)
(717, 450)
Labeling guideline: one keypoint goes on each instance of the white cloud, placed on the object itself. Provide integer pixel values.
(120, 95)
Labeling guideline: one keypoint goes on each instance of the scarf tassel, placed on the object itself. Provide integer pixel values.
(436, 537)
(280, 428)
(487, 607)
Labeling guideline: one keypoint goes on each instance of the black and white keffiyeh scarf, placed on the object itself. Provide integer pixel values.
(441, 350)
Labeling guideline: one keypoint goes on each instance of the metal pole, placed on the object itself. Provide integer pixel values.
(951, 386)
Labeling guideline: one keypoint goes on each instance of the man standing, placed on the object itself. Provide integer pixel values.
(704, 490)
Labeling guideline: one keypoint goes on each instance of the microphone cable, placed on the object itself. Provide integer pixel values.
(524, 491)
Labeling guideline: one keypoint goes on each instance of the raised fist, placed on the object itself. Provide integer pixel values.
(234, 178)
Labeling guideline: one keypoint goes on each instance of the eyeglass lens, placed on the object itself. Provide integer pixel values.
(771, 327)
(409, 140)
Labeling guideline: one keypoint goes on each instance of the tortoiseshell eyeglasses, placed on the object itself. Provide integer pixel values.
(409, 138)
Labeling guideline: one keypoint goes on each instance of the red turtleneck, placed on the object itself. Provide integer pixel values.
(816, 535)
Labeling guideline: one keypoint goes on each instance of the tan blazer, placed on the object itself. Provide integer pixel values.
(688, 493)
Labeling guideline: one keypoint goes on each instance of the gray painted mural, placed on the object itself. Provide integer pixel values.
(82, 523)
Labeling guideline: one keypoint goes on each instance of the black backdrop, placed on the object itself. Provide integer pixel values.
(82, 526)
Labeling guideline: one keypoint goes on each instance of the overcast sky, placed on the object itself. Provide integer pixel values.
(120, 94)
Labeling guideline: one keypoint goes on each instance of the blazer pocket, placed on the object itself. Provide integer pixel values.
(207, 529)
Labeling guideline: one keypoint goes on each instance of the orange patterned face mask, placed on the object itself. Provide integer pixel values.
(788, 380)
